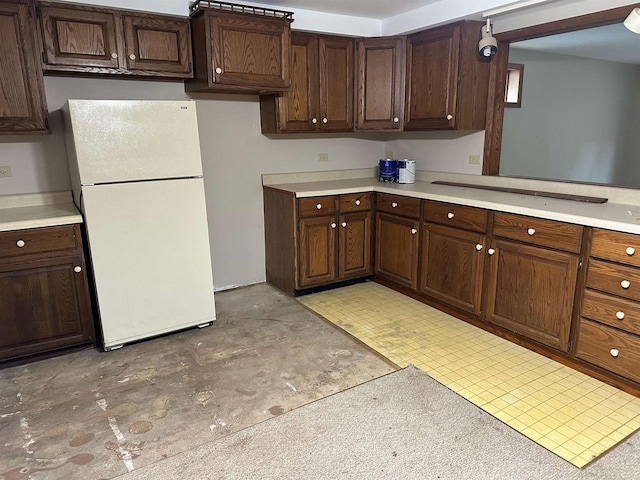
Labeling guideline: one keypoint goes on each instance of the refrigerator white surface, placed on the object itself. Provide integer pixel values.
(151, 259)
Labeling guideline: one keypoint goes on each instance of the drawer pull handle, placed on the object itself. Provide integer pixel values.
(625, 284)
(20, 243)
(614, 352)
(630, 251)
(478, 247)
(319, 206)
(620, 315)
(333, 225)
(357, 202)
(450, 215)
(394, 204)
(491, 251)
(414, 231)
(531, 231)
(77, 269)
(344, 224)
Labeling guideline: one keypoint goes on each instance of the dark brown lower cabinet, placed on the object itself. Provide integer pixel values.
(317, 249)
(530, 291)
(397, 249)
(354, 256)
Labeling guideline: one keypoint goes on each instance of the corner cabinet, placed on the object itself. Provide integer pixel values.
(322, 92)
(240, 49)
(22, 102)
(92, 40)
(446, 79)
(44, 293)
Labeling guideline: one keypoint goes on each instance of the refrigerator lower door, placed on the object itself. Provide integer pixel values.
(149, 245)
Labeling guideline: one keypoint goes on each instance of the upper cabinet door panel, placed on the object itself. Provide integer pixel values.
(157, 44)
(336, 83)
(21, 87)
(79, 37)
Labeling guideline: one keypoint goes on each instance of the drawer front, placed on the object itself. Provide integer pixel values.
(616, 246)
(614, 311)
(316, 206)
(468, 218)
(355, 202)
(399, 205)
(613, 278)
(538, 231)
(37, 240)
(609, 348)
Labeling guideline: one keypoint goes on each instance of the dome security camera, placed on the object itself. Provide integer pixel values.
(488, 45)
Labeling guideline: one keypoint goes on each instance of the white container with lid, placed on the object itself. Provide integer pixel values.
(406, 171)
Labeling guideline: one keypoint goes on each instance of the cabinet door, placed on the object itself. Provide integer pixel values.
(44, 306)
(336, 83)
(317, 250)
(157, 44)
(380, 87)
(298, 108)
(355, 245)
(452, 264)
(22, 105)
(530, 291)
(80, 37)
(397, 249)
(250, 52)
(432, 73)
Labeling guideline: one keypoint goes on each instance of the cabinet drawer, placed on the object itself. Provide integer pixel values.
(399, 205)
(609, 348)
(538, 231)
(614, 311)
(316, 206)
(612, 278)
(469, 218)
(355, 202)
(616, 246)
(37, 240)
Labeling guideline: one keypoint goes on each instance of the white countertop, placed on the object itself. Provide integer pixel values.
(612, 216)
(19, 212)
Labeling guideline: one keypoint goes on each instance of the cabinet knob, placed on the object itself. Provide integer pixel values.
(314, 120)
(77, 269)
(625, 284)
(333, 225)
(324, 120)
(319, 206)
(614, 352)
(478, 247)
(449, 117)
(218, 70)
(114, 55)
(132, 56)
(344, 224)
(491, 251)
(394, 204)
(630, 251)
(620, 315)
(531, 231)
(450, 215)
(396, 119)
(20, 243)
(357, 202)
(414, 231)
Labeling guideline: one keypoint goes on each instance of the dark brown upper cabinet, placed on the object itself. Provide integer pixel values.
(84, 39)
(446, 79)
(321, 94)
(237, 51)
(380, 98)
(22, 103)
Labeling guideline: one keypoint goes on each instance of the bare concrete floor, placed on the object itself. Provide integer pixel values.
(97, 415)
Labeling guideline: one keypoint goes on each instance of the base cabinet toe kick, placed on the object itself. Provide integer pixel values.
(566, 291)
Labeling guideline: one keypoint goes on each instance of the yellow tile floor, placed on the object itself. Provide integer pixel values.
(571, 414)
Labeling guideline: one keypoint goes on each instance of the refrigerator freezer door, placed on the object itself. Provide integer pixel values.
(122, 140)
(149, 246)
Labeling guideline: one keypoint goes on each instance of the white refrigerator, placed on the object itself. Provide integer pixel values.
(136, 173)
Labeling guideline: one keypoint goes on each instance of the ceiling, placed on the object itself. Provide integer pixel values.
(378, 9)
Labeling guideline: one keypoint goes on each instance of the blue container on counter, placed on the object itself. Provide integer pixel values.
(388, 171)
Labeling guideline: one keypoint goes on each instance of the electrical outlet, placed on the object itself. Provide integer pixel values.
(323, 157)
(474, 159)
(389, 155)
(5, 171)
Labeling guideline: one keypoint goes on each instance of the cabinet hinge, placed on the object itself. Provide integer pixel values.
(580, 264)
(569, 346)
